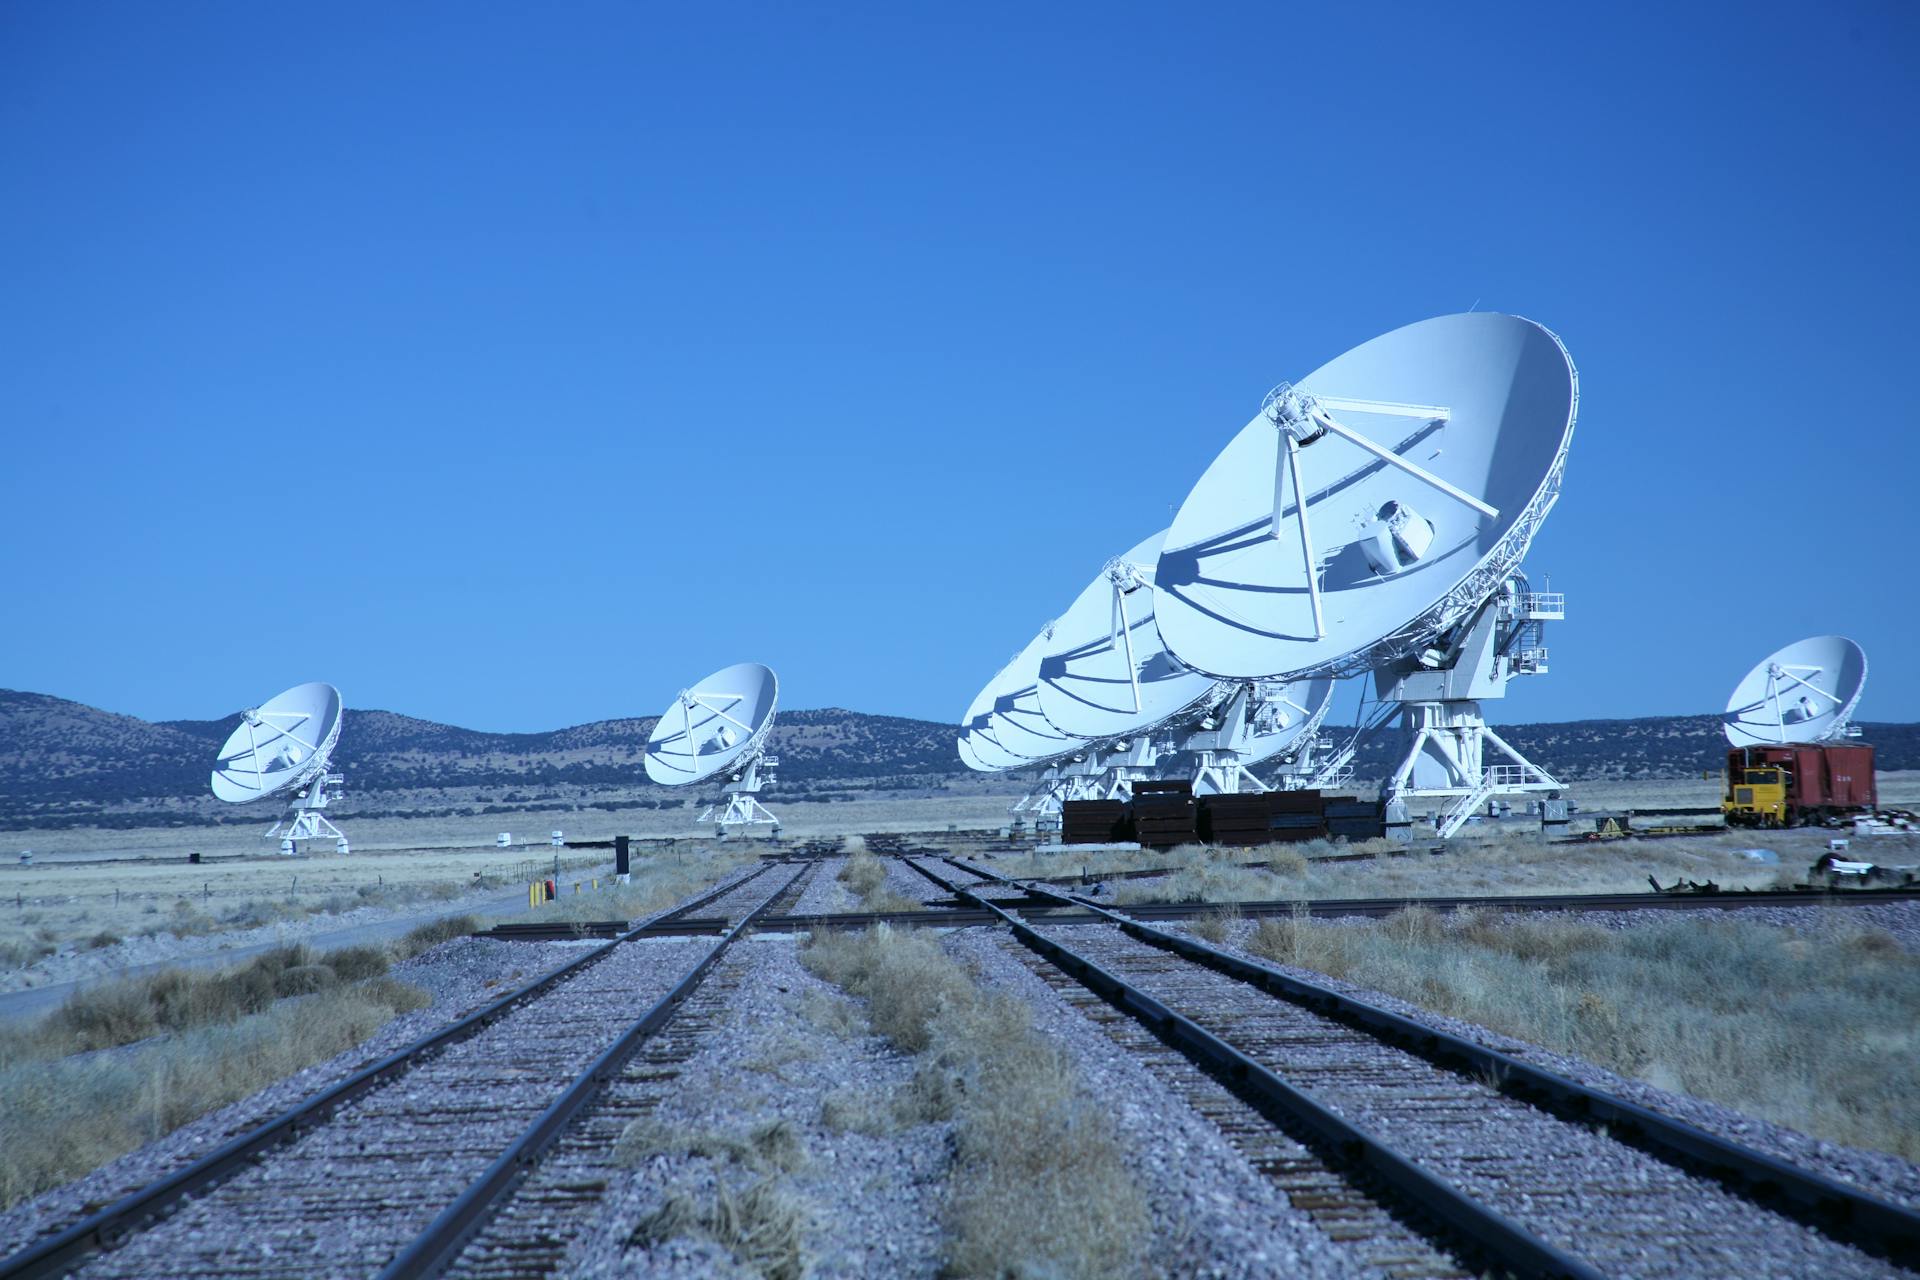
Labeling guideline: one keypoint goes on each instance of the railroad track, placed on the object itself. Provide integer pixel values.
(394, 1170)
(1043, 903)
(1403, 1140)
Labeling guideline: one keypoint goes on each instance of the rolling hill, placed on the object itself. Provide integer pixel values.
(62, 762)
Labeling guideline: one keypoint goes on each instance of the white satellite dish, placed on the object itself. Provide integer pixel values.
(1106, 673)
(1005, 721)
(1373, 517)
(720, 725)
(1005, 729)
(1284, 716)
(285, 745)
(1428, 458)
(1805, 692)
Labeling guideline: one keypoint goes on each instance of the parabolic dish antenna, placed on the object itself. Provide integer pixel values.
(1428, 458)
(1106, 673)
(1805, 692)
(1004, 720)
(286, 745)
(279, 745)
(722, 720)
(1283, 714)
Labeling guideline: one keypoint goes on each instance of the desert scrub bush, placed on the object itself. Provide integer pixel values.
(1819, 1032)
(18, 953)
(64, 1118)
(426, 937)
(1040, 1185)
(104, 939)
(177, 1000)
(903, 975)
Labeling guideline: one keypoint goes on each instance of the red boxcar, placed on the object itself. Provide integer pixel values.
(1820, 781)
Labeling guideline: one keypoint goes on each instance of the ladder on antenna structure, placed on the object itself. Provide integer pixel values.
(1496, 779)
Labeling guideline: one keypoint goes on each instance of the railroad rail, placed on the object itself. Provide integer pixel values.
(1183, 991)
(129, 1216)
(1066, 909)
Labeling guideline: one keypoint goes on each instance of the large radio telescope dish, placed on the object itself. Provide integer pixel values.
(718, 724)
(279, 746)
(1106, 672)
(1805, 692)
(1429, 457)
(1283, 714)
(1004, 724)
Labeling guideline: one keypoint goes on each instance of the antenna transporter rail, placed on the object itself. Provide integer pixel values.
(1839, 1211)
(111, 1226)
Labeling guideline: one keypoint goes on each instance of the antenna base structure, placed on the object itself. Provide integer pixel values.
(1452, 755)
(1041, 803)
(305, 821)
(743, 807)
(1108, 771)
(1219, 767)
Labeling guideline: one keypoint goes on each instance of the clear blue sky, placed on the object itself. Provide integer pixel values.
(516, 365)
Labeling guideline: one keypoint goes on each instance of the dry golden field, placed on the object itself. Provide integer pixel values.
(88, 885)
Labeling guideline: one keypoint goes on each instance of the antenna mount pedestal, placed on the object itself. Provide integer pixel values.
(1452, 755)
(305, 819)
(1041, 804)
(743, 807)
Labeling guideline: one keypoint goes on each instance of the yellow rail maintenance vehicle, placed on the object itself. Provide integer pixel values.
(1757, 798)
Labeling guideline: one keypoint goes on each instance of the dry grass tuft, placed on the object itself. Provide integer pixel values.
(762, 1226)
(834, 1014)
(1041, 1187)
(903, 975)
(857, 1111)
(866, 876)
(431, 934)
(1818, 1032)
(772, 1147)
(1215, 925)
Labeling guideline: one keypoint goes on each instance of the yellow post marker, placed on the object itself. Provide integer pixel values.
(533, 893)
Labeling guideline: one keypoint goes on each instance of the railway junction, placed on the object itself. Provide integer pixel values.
(1352, 1136)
